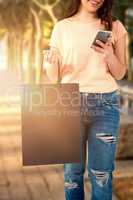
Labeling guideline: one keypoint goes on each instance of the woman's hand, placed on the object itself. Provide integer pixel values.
(51, 63)
(51, 57)
(52, 60)
(106, 49)
(114, 57)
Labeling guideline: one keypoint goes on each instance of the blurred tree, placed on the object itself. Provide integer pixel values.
(14, 15)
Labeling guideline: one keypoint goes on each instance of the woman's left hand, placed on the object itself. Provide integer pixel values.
(106, 49)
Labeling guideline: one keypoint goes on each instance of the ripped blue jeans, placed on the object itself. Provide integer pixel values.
(100, 116)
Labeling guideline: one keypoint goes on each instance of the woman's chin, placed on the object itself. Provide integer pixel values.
(92, 10)
(92, 7)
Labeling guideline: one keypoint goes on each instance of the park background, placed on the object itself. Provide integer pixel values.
(25, 29)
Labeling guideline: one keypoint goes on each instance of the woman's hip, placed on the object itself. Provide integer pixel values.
(100, 106)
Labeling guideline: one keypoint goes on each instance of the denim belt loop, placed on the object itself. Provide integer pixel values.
(118, 91)
(101, 96)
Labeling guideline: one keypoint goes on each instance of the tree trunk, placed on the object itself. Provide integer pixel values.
(31, 52)
(38, 49)
(11, 51)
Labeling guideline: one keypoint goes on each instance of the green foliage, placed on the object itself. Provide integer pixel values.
(47, 27)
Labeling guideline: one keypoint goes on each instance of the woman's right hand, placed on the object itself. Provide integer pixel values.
(49, 57)
(51, 62)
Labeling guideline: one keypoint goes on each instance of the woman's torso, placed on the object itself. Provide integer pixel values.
(87, 67)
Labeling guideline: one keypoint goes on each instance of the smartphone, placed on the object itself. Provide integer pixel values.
(102, 36)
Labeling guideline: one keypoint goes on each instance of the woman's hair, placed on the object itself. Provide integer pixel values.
(104, 12)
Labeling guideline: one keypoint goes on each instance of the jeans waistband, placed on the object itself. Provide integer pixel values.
(99, 95)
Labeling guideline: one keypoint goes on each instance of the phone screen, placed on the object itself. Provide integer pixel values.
(102, 36)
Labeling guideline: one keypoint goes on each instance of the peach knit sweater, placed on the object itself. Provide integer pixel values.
(87, 67)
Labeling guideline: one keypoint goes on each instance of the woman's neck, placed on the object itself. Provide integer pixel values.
(86, 16)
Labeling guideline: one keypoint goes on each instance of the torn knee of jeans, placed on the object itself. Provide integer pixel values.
(107, 138)
(101, 177)
(71, 185)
